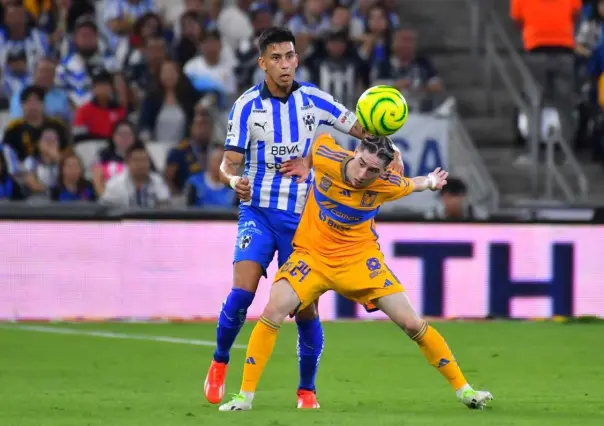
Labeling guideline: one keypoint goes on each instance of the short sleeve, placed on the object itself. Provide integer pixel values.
(238, 135)
(332, 113)
(396, 186)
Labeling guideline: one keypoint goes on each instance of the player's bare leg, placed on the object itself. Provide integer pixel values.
(399, 309)
(308, 353)
(282, 301)
(246, 275)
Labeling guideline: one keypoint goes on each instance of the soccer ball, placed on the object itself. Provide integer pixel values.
(382, 110)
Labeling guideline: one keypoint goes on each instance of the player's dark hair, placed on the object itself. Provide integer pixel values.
(274, 35)
(381, 146)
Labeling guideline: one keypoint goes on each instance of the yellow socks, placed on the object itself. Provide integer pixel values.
(437, 352)
(259, 350)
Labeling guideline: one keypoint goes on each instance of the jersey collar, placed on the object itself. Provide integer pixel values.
(265, 93)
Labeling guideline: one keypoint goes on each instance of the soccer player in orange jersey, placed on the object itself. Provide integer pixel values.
(335, 248)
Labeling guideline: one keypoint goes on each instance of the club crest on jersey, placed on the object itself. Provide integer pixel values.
(325, 183)
(309, 121)
(244, 241)
(368, 199)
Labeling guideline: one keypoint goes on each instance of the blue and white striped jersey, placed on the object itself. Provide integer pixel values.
(35, 45)
(73, 74)
(270, 131)
(113, 9)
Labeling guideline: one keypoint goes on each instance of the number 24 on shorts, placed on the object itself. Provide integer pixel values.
(299, 271)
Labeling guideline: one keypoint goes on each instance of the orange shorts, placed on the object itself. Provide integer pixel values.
(362, 280)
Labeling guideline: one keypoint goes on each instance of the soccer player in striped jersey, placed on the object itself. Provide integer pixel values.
(270, 124)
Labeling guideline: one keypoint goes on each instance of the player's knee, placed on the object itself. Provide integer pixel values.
(283, 300)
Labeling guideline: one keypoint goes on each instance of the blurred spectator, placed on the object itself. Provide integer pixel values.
(96, 119)
(360, 16)
(377, 41)
(312, 21)
(549, 44)
(413, 75)
(42, 167)
(191, 35)
(16, 76)
(206, 189)
(71, 184)
(129, 51)
(247, 52)
(22, 134)
(190, 155)
(590, 31)
(167, 111)
(56, 102)
(137, 186)
(234, 23)
(16, 33)
(11, 162)
(49, 15)
(119, 17)
(341, 20)
(454, 204)
(145, 73)
(112, 158)
(337, 71)
(75, 70)
(210, 73)
(189, 8)
(9, 188)
(286, 10)
(75, 10)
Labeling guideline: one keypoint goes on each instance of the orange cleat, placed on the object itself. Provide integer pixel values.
(214, 385)
(307, 400)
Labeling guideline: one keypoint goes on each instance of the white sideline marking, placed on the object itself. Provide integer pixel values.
(111, 335)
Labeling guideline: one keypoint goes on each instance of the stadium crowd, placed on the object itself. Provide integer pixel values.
(565, 53)
(125, 101)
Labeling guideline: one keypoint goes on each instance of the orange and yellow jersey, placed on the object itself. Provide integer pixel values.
(338, 221)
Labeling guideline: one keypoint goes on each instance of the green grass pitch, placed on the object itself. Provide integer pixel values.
(542, 374)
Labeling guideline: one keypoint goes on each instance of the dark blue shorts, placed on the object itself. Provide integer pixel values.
(262, 232)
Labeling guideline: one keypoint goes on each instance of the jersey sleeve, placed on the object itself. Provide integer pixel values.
(332, 113)
(238, 134)
(326, 152)
(395, 186)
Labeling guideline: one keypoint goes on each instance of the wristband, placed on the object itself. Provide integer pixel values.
(432, 182)
(234, 180)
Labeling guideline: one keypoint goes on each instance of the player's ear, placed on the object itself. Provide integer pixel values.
(296, 61)
(261, 63)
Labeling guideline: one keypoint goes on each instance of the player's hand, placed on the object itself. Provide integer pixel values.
(243, 189)
(296, 167)
(397, 165)
(438, 179)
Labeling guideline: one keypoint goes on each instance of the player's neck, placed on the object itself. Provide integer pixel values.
(278, 91)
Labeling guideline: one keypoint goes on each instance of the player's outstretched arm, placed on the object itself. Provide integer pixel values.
(231, 163)
(434, 181)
